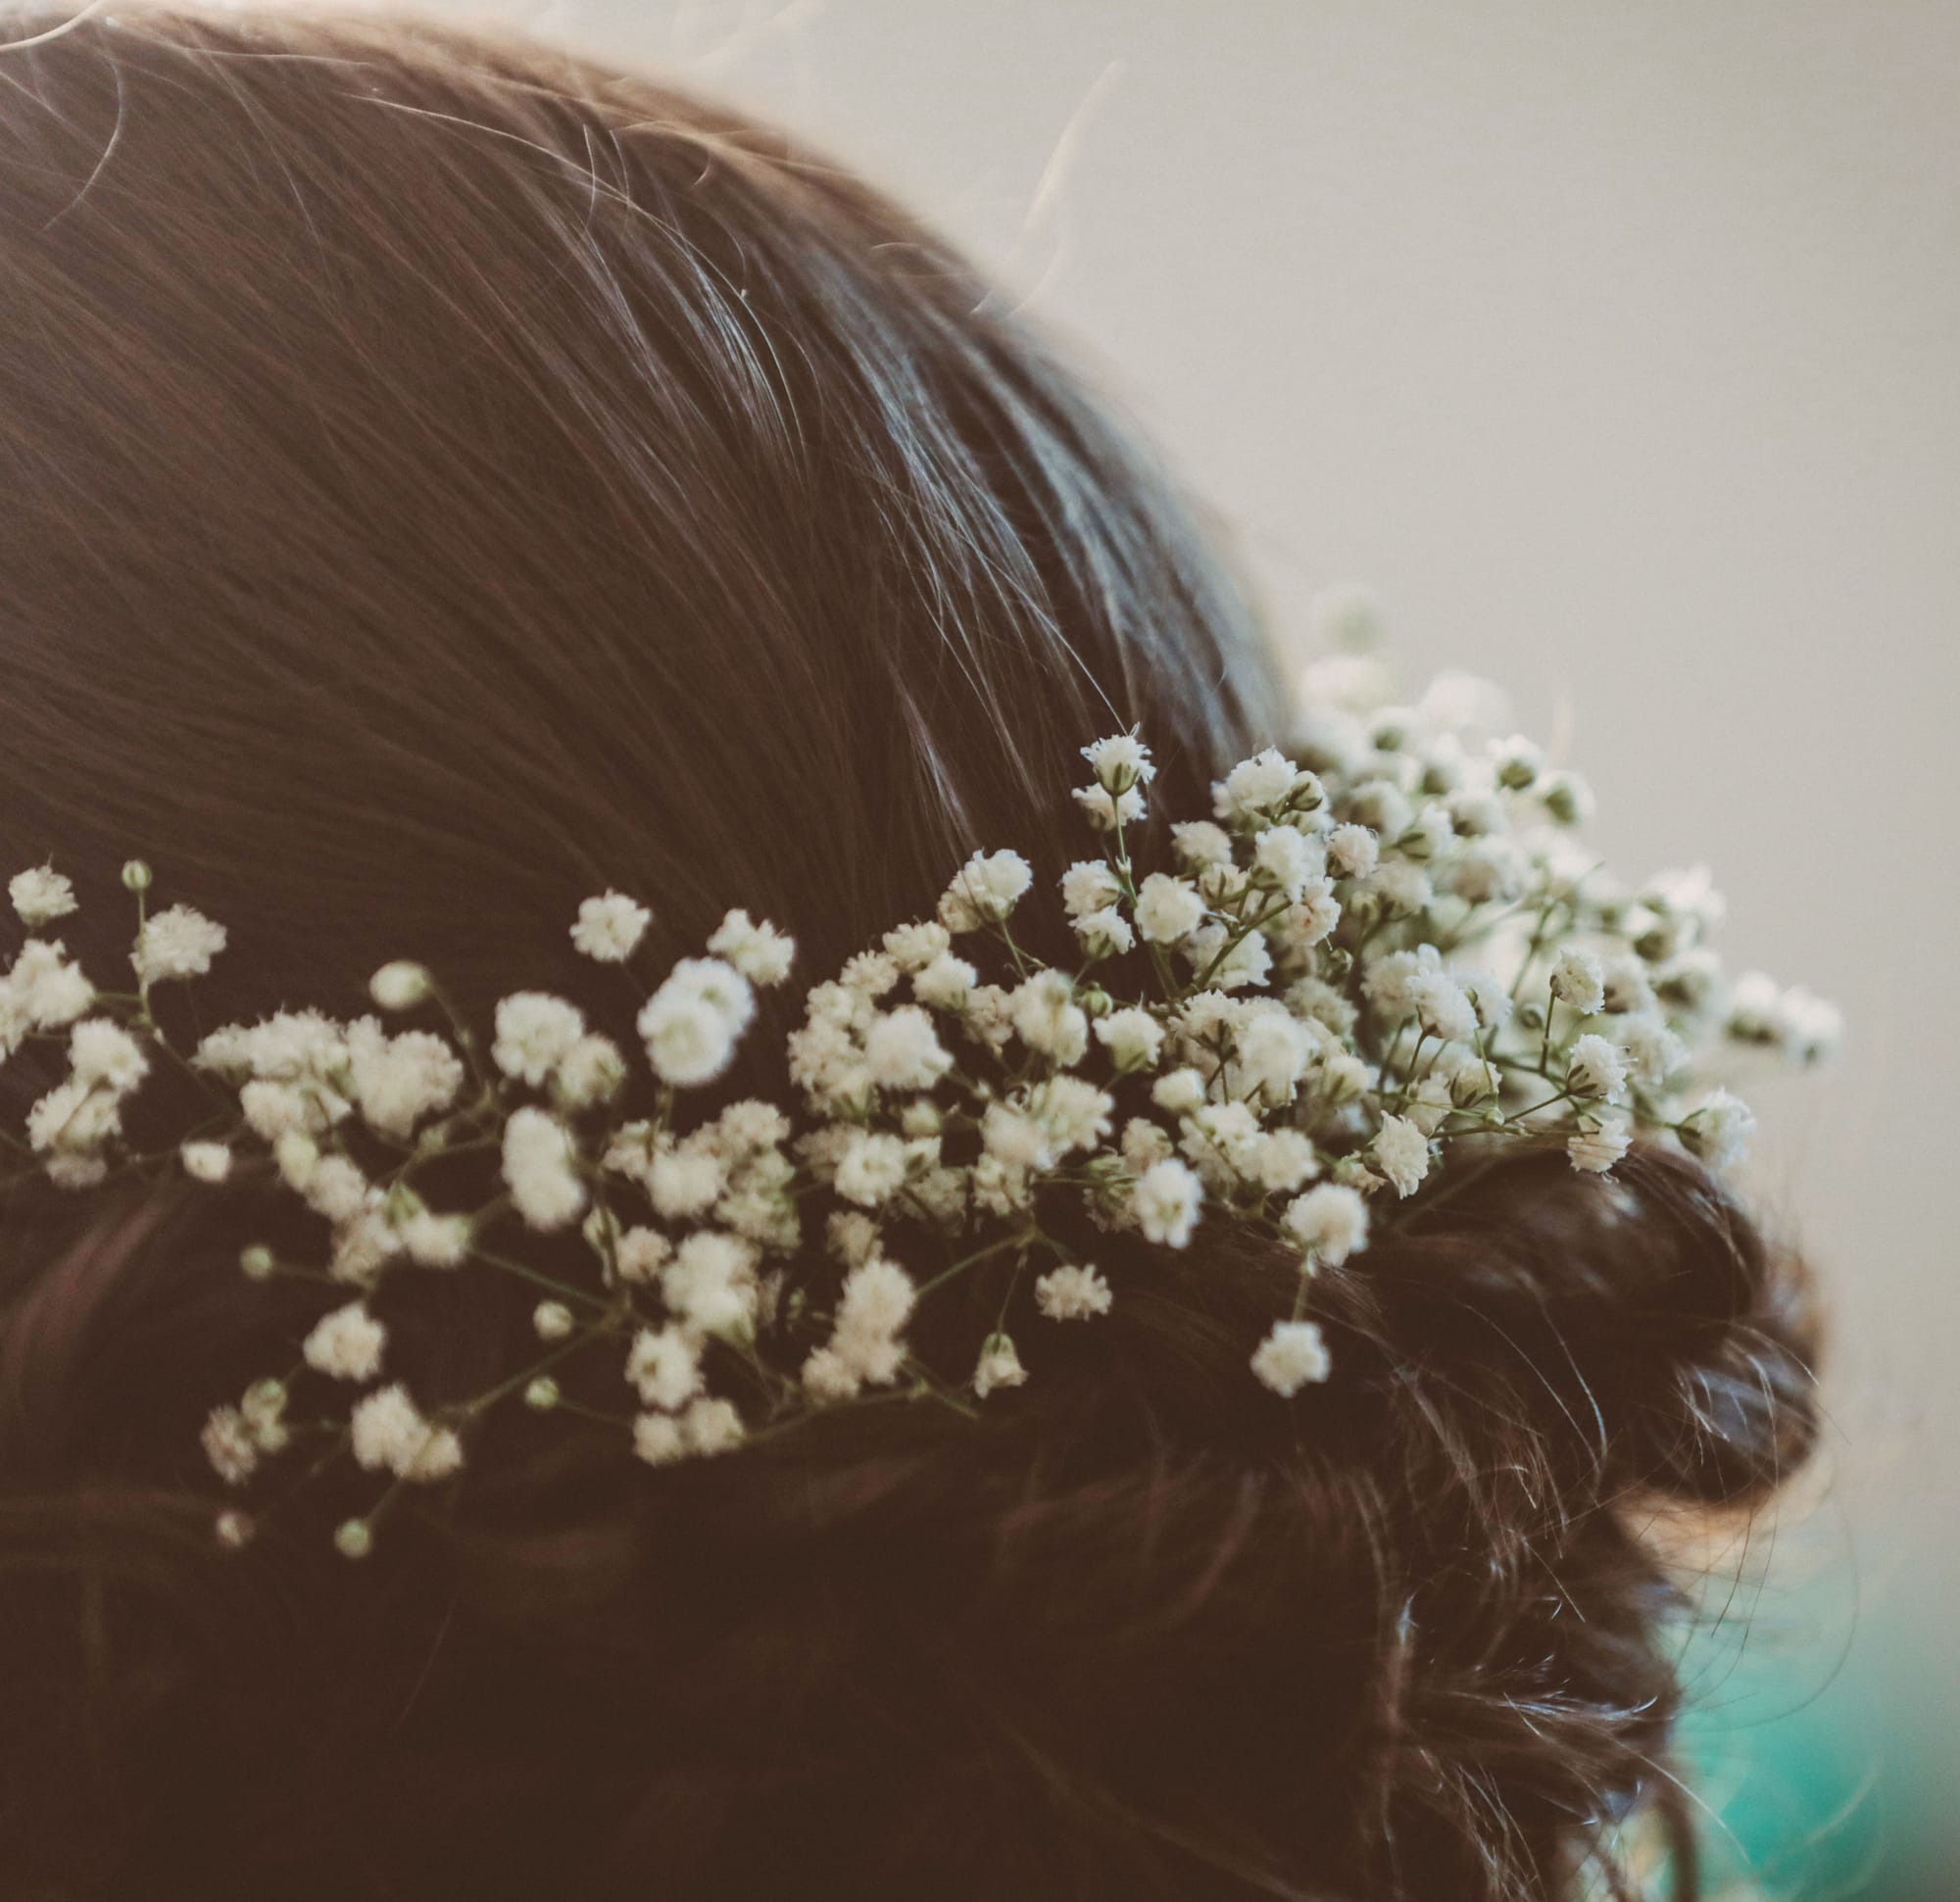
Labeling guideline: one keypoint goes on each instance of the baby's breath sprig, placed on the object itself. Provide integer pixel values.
(1383, 955)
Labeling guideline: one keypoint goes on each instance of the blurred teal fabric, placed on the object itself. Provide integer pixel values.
(1821, 1780)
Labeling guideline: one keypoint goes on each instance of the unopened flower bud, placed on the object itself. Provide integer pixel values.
(553, 1320)
(136, 876)
(1567, 798)
(542, 1394)
(257, 1262)
(352, 1540)
(400, 986)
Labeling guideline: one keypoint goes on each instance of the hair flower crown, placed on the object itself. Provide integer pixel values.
(1383, 952)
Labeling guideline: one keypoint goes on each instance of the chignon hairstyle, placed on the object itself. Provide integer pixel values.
(441, 478)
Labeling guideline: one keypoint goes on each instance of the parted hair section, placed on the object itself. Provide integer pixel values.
(446, 479)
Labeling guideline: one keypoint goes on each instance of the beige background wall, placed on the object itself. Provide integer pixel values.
(1614, 343)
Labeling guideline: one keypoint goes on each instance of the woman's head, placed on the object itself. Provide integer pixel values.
(443, 479)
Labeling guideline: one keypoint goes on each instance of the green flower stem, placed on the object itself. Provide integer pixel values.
(562, 1289)
(1021, 1238)
(472, 1409)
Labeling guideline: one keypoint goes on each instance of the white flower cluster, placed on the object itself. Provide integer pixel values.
(1383, 951)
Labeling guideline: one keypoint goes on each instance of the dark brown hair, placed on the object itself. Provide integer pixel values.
(442, 479)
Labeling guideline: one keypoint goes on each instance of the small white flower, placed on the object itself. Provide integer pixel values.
(984, 891)
(1330, 1223)
(911, 948)
(590, 1072)
(1718, 1129)
(1567, 799)
(1653, 1052)
(263, 1411)
(1089, 886)
(827, 1375)
(74, 1118)
(398, 1081)
(205, 1161)
(178, 942)
(1133, 1037)
(1288, 859)
(1261, 784)
(1626, 986)
(1179, 1091)
(878, 1300)
(1000, 1365)
(45, 989)
(872, 1169)
(754, 948)
(903, 1050)
(1401, 1150)
(665, 1364)
(335, 1187)
(945, 983)
(1104, 811)
(610, 928)
(1145, 1144)
(1517, 762)
(41, 896)
(1429, 834)
(1293, 1355)
(1120, 763)
(533, 1032)
(658, 1440)
(1072, 1294)
(1271, 1051)
(1201, 845)
(640, 1254)
(346, 1344)
(1812, 1026)
(711, 1282)
(1600, 1143)
(1596, 1069)
(691, 1023)
(1490, 998)
(1382, 808)
(1401, 887)
(710, 1426)
(1578, 980)
(1106, 933)
(229, 1445)
(539, 1170)
(1353, 850)
(389, 1431)
(1047, 1019)
(1074, 1112)
(685, 1182)
(101, 1051)
(1280, 1160)
(1223, 960)
(433, 1241)
(1168, 909)
(1015, 1138)
(1442, 1006)
(1165, 1202)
